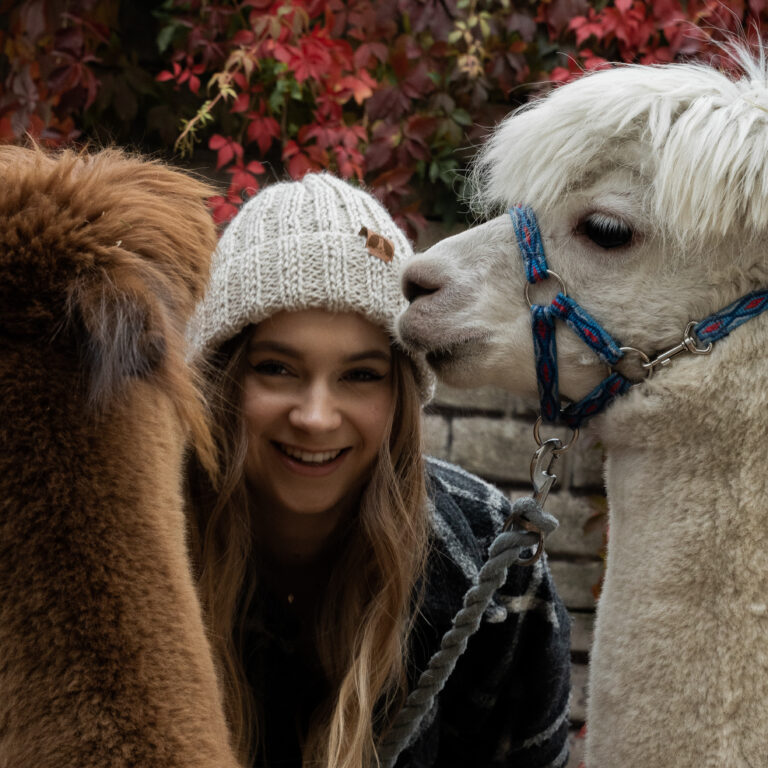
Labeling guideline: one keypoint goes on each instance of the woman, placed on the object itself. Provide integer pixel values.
(331, 556)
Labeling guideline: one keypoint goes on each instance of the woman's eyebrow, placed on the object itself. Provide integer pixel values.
(375, 354)
(289, 351)
(275, 346)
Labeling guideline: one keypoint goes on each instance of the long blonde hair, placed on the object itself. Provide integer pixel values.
(367, 612)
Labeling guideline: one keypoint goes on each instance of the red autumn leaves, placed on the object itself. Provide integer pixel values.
(393, 94)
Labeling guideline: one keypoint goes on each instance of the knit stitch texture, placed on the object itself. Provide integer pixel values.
(298, 245)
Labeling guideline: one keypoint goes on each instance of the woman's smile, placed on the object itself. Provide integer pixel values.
(311, 463)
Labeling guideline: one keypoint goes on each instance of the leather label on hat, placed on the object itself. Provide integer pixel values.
(378, 245)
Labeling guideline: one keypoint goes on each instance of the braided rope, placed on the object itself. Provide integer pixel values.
(503, 552)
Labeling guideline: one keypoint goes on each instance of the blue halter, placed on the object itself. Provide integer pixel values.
(709, 330)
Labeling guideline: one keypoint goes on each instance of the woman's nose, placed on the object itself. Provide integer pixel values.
(316, 411)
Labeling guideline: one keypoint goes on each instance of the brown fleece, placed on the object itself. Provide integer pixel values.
(104, 659)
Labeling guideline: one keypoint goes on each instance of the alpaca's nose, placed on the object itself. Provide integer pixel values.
(413, 290)
(415, 284)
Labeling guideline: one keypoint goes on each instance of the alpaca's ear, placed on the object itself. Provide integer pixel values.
(122, 333)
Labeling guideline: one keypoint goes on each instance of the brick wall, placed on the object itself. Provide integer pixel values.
(490, 433)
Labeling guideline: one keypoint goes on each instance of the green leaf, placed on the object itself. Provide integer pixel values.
(227, 91)
(276, 100)
(204, 113)
(462, 117)
(165, 36)
(448, 171)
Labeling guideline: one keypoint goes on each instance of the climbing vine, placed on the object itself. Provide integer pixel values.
(391, 94)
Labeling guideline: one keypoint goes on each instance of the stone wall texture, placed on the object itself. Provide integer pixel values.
(490, 433)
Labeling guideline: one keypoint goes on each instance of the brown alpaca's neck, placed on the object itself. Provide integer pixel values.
(100, 625)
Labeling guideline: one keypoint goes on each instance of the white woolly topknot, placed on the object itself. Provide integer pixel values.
(697, 138)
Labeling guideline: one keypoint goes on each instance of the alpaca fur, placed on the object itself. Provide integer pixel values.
(104, 660)
(701, 137)
(679, 154)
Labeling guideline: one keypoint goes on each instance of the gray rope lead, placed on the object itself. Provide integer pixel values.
(503, 552)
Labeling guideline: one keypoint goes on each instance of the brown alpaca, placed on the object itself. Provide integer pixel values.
(103, 656)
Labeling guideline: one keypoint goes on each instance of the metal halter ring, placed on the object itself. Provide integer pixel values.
(645, 361)
(557, 451)
(550, 273)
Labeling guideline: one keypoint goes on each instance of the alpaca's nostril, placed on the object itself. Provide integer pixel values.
(415, 288)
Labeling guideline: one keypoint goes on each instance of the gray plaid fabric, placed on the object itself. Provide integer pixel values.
(506, 703)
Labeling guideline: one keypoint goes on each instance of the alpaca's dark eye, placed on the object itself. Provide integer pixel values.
(606, 231)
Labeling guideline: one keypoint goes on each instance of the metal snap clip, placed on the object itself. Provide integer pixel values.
(688, 344)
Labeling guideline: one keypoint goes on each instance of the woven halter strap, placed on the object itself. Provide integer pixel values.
(699, 335)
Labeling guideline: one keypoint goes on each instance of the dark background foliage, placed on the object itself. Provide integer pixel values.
(395, 94)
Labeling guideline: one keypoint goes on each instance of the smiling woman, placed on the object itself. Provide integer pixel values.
(332, 556)
(317, 403)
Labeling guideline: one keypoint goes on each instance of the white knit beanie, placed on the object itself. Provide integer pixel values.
(305, 245)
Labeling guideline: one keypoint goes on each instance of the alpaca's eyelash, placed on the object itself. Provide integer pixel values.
(605, 231)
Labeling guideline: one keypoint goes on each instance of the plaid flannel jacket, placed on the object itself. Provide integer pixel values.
(506, 703)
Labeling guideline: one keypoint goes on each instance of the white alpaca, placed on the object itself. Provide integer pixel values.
(651, 189)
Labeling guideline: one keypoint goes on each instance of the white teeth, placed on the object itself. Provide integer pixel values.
(307, 457)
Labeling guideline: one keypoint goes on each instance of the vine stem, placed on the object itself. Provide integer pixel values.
(189, 126)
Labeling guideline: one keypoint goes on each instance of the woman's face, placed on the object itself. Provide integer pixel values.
(318, 401)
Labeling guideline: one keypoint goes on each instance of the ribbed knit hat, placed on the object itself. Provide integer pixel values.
(316, 243)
